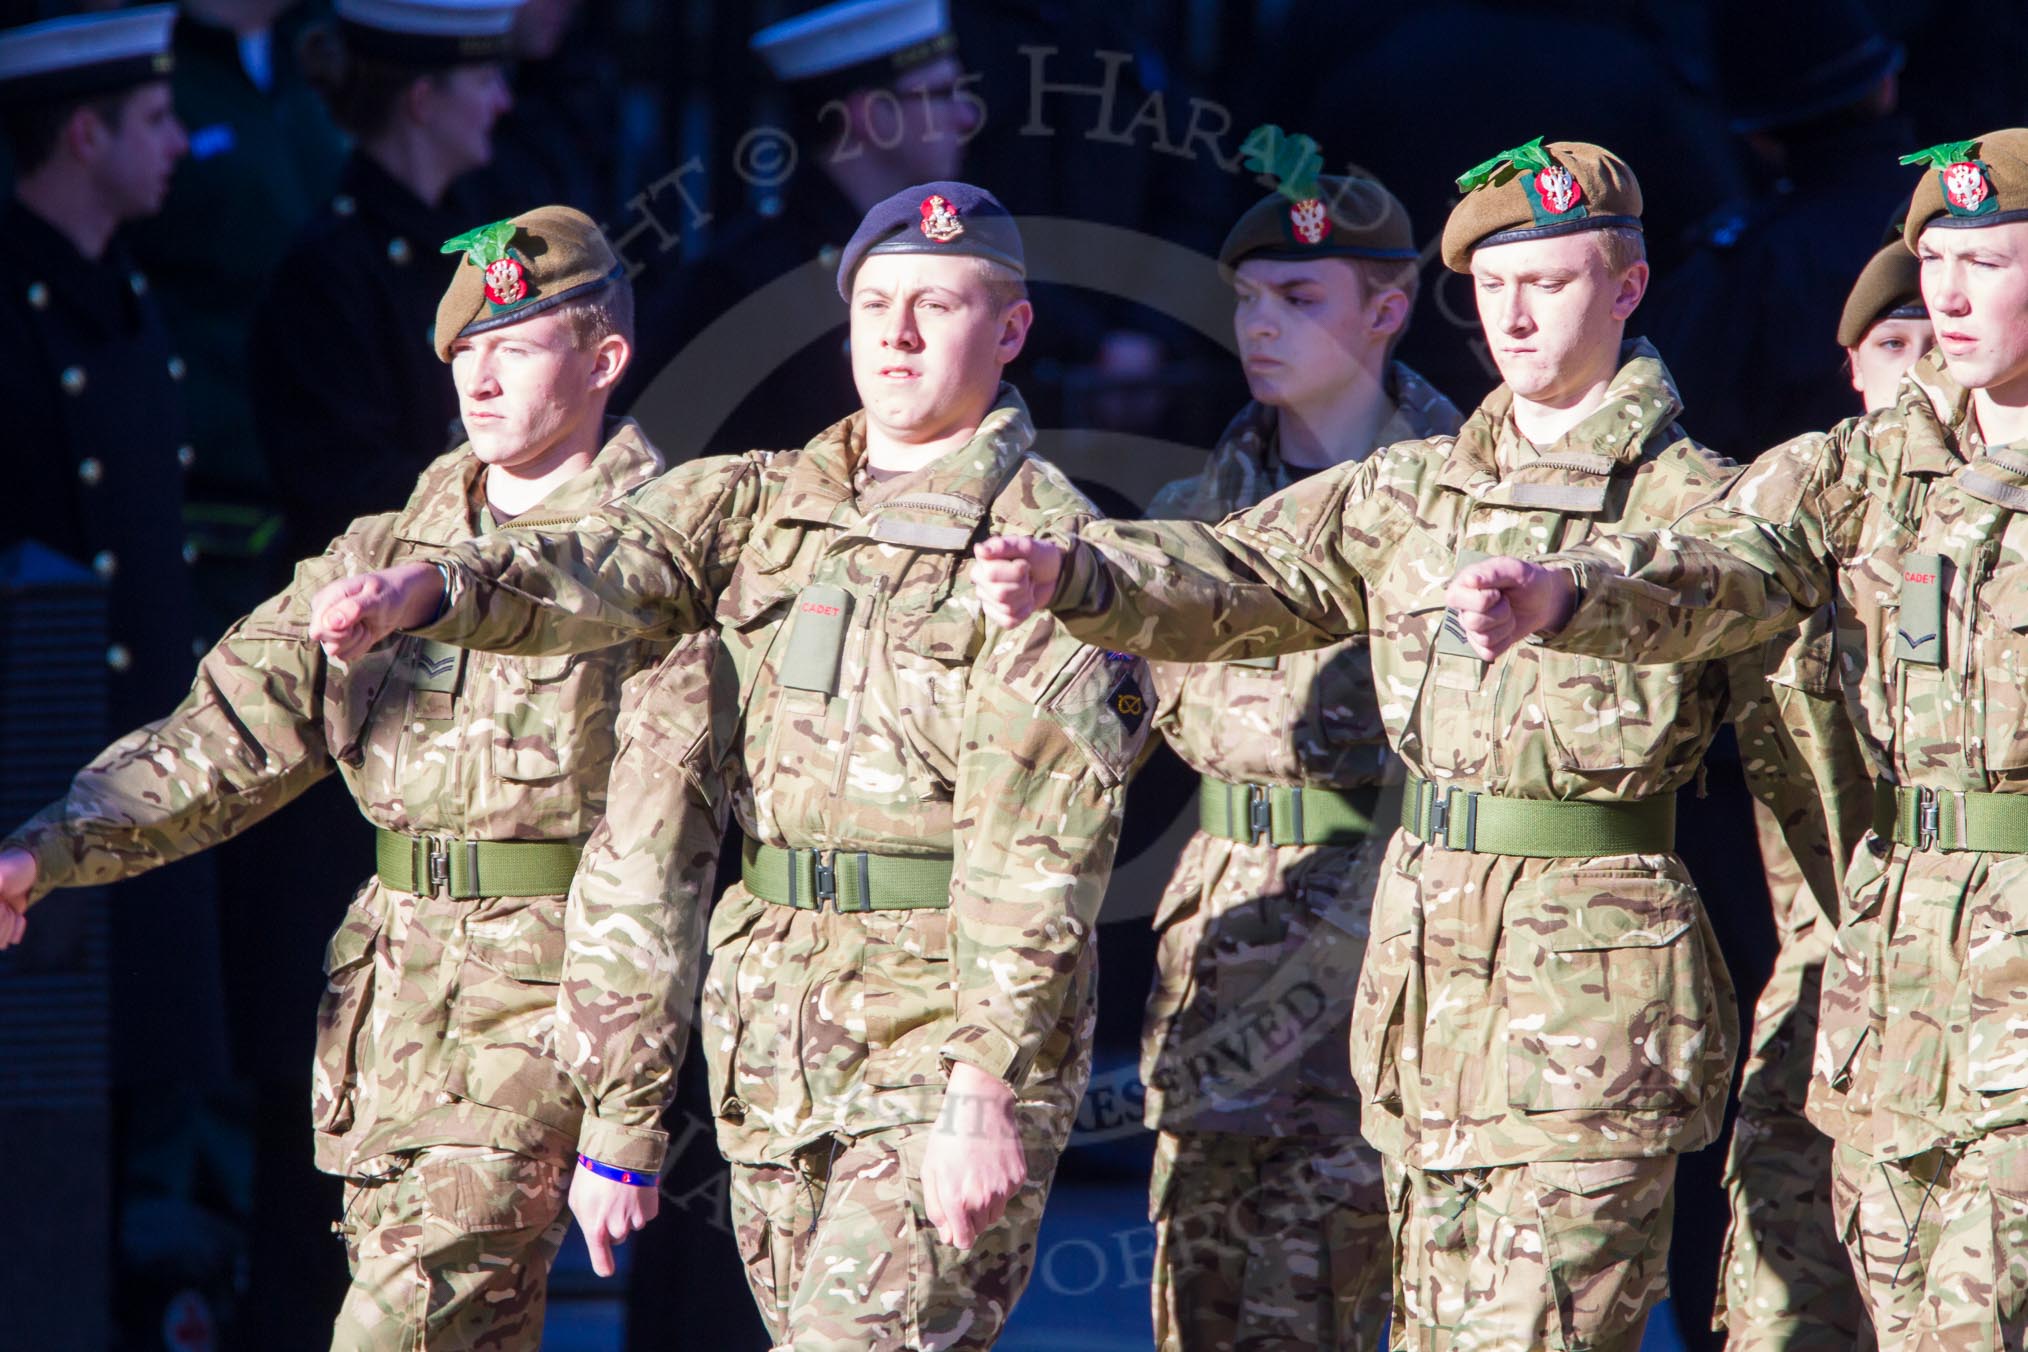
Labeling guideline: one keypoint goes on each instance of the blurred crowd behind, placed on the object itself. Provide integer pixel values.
(295, 259)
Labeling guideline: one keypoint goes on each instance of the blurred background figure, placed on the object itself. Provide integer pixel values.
(1885, 328)
(560, 142)
(419, 84)
(97, 455)
(869, 90)
(263, 156)
(1742, 320)
(347, 412)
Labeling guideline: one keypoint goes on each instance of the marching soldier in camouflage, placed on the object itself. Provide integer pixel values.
(1785, 1284)
(1270, 1209)
(435, 1096)
(1543, 1021)
(1909, 520)
(899, 1002)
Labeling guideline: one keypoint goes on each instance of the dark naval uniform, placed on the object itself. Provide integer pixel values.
(351, 409)
(97, 450)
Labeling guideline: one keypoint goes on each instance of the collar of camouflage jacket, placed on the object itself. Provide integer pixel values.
(443, 509)
(1415, 412)
(1941, 432)
(939, 506)
(1571, 475)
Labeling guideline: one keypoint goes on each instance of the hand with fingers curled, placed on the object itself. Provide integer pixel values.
(1015, 576)
(1499, 602)
(608, 1211)
(354, 613)
(975, 1162)
(17, 880)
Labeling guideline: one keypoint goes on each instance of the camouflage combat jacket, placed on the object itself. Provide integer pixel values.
(438, 1014)
(880, 714)
(1260, 936)
(1509, 1009)
(1923, 1040)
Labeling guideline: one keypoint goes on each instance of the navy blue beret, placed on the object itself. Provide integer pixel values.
(935, 218)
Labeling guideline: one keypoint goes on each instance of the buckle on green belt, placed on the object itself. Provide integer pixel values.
(1260, 816)
(1442, 820)
(432, 864)
(827, 877)
(1928, 818)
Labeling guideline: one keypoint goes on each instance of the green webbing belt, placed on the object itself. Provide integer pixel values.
(467, 869)
(849, 880)
(1250, 813)
(1951, 819)
(1463, 819)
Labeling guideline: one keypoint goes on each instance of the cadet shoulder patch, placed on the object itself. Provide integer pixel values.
(1128, 700)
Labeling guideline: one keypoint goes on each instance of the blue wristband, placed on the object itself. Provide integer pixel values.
(631, 1177)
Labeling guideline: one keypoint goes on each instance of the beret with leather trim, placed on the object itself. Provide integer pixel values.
(944, 217)
(1538, 191)
(1983, 181)
(1889, 287)
(519, 268)
(1347, 218)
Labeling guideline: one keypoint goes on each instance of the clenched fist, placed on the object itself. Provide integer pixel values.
(1501, 601)
(1015, 576)
(352, 614)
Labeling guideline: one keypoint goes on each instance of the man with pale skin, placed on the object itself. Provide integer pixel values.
(1908, 519)
(454, 1131)
(1528, 1109)
(898, 1011)
(1784, 1280)
(1270, 1210)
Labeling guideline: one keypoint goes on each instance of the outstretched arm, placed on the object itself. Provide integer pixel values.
(1285, 576)
(1724, 579)
(650, 566)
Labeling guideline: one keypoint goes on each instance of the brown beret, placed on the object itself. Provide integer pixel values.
(1978, 182)
(1347, 218)
(1536, 191)
(517, 269)
(1889, 287)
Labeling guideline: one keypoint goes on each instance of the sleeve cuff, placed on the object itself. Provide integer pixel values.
(53, 853)
(638, 1149)
(1077, 581)
(991, 1051)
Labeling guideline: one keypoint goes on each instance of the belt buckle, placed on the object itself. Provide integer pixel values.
(1928, 818)
(826, 877)
(1260, 821)
(1443, 818)
(432, 867)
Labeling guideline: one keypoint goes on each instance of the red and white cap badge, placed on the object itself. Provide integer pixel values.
(940, 221)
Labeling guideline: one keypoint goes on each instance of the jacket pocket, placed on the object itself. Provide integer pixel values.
(1380, 1010)
(911, 999)
(503, 1014)
(1609, 1001)
(731, 936)
(543, 711)
(341, 1016)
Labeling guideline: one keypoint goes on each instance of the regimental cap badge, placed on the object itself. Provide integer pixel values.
(940, 219)
(1293, 162)
(1553, 191)
(489, 248)
(1966, 181)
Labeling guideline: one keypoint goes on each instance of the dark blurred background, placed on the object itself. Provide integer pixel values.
(1114, 130)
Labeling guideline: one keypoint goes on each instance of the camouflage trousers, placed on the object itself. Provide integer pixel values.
(1569, 1256)
(1940, 1243)
(452, 1253)
(1785, 1284)
(841, 1255)
(1269, 1242)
